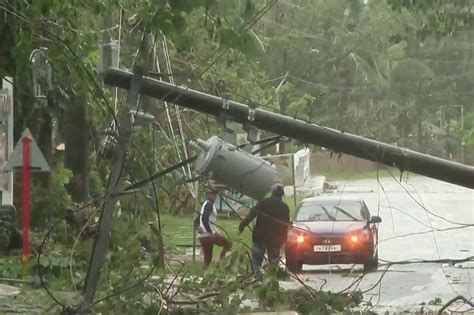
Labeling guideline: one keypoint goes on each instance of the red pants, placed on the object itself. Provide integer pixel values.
(207, 244)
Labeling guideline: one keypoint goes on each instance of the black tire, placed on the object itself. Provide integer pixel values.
(372, 264)
(296, 266)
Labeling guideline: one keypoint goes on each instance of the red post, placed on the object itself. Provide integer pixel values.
(26, 198)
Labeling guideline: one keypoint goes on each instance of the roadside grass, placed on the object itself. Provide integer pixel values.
(178, 230)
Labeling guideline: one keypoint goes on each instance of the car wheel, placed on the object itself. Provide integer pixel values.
(372, 264)
(296, 266)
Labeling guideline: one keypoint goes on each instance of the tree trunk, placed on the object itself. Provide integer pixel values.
(159, 245)
(76, 155)
(419, 119)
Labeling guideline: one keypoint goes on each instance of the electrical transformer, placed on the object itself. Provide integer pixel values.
(241, 171)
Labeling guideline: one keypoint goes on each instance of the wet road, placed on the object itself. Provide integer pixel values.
(406, 287)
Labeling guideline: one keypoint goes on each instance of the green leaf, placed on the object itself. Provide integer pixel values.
(251, 44)
(64, 175)
(163, 20)
(179, 24)
(249, 10)
(228, 37)
(397, 51)
(227, 8)
(181, 5)
(182, 42)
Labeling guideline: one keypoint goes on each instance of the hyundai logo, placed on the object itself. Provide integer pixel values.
(326, 241)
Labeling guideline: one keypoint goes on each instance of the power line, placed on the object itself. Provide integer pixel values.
(350, 46)
(243, 28)
(379, 84)
(40, 251)
(433, 233)
(423, 207)
(79, 67)
(76, 241)
(429, 231)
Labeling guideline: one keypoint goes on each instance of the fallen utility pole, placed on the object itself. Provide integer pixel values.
(403, 159)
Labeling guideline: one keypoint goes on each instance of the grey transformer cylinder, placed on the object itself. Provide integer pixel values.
(241, 171)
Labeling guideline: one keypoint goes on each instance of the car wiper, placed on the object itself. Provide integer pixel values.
(346, 213)
(330, 217)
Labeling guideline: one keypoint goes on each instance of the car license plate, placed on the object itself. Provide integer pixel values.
(327, 248)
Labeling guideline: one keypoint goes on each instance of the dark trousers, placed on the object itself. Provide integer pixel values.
(258, 252)
(207, 244)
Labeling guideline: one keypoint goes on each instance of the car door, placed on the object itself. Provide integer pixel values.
(372, 227)
(374, 231)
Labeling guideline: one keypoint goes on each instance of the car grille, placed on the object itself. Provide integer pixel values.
(329, 240)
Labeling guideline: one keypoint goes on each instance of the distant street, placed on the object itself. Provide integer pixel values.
(406, 287)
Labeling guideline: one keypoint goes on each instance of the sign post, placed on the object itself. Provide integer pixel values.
(6, 139)
(26, 198)
(27, 157)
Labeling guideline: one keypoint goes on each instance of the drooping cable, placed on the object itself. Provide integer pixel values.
(168, 114)
(117, 65)
(178, 113)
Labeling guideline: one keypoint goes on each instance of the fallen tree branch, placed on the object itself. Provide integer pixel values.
(14, 280)
(457, 298)
(156, 230)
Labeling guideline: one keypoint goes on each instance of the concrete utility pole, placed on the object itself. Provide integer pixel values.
(101, 241)
(403, 159)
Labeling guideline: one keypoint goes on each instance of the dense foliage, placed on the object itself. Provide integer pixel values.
(396, 71)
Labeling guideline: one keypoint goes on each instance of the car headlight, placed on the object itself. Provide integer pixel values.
(296, 236)
(362, 236)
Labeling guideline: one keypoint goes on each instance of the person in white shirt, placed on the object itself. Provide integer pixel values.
(206, 231)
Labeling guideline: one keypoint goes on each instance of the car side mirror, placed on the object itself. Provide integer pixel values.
(375, 219)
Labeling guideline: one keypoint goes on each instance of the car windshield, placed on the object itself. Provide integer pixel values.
(331, 211)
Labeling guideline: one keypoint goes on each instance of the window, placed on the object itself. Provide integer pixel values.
(332, 211)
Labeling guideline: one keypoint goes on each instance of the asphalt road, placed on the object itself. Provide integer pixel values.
(408, 287)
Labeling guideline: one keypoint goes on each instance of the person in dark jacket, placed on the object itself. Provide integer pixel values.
(270, 232)
(206, 230)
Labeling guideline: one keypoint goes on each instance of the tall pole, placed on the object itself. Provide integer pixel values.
(26, 199)
(294, 181)
(390, 155)
(101, 240)
(196, 208)
(462, 131)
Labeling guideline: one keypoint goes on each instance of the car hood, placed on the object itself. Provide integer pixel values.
(331, 227)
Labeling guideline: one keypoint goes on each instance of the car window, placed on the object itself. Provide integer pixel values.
(331, 211)
(366, 212)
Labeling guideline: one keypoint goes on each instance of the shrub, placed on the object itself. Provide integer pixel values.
(50, 202)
